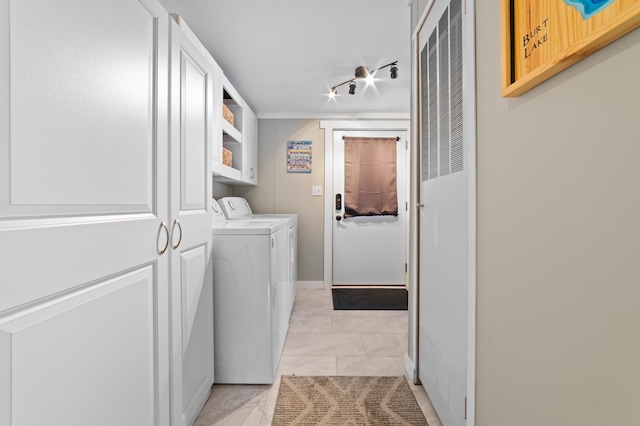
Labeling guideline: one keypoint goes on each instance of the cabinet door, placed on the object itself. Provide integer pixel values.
(191, 281)
(215, 115)
(249, 146)
(83, 184)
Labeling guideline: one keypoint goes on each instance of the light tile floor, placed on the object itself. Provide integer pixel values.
(321, 342)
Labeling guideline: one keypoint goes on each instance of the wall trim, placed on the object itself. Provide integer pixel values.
(336, 116)
(410, 371)
(312, 285)
(469, 76)
(423, 18)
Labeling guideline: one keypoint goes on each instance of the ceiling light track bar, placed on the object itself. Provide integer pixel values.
(394, 63)
(363, 72)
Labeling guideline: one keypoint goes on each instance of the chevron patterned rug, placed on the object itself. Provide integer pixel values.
(346, 400)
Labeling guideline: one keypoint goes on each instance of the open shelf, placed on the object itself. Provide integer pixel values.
(224, 173)
(230, 133)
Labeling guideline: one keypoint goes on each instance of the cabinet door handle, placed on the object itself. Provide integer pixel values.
(175, 222)
(166, 231)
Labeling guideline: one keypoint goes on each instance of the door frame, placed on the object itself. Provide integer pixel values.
(340, 230)
(470, 140)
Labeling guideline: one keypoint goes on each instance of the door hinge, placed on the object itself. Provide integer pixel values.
(406, 206)
(406, 269)
(465, 408)
(406, 145)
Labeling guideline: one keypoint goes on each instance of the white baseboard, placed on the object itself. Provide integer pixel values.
(410, 371)
(311, 285)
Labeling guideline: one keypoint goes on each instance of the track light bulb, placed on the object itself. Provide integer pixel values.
(394, 72)
(352, 88)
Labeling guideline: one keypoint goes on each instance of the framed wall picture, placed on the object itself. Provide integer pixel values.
(540, 38)
(299, 156)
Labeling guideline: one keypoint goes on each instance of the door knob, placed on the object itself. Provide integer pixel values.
(338, 218)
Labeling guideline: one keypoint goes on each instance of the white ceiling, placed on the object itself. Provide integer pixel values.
(283, 56)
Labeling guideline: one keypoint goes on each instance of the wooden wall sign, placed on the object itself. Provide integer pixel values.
(540, 38)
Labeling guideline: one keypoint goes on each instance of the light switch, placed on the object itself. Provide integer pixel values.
(316, 191)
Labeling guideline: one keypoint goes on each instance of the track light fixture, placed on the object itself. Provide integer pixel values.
(394, 72)
(363, 72)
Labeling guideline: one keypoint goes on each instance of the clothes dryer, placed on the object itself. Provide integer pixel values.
(251, 298)
(238, 208)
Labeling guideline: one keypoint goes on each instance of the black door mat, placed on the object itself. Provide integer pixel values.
(379, 299)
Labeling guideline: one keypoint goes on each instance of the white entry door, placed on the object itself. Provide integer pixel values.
(446, 212)
(83, 206)
(369, 250)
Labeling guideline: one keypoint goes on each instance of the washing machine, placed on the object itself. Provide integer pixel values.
(251, 295)
(238, 208)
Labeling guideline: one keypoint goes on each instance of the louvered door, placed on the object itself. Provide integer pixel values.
(444, 215)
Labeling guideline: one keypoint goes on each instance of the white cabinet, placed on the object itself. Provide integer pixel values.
(214, 111)
(230, 134)
(105, 295)
(249, 146)
(239, 138)
(84, 196)
(191, 102)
